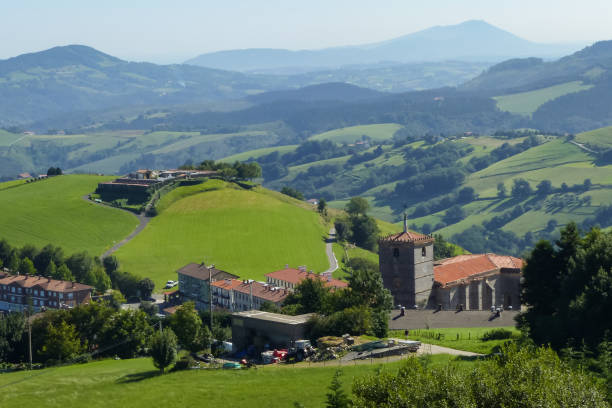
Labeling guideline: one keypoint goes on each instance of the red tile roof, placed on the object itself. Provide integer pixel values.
(200, 271)
(227, 284)
(44, 283)
(295, 276)
(464, 267)
(407, 236)
(262, 291)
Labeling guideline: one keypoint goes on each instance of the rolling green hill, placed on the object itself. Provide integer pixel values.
(379, 132)
(53, 211)
(248, 233)
(525, 103)
(135, 383)
(598, 139)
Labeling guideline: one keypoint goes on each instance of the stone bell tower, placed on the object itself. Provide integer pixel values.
(406, 266)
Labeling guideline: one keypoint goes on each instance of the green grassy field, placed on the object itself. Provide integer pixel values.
(53, 211)
(352, 134)
(525, 103)
(248, 233)
(598, 138)
(468, 339)
(136, 383)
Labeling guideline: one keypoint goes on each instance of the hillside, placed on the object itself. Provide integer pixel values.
(79, 78)
(135, 383)
(470, 40)
(248, 233)
(54, 211)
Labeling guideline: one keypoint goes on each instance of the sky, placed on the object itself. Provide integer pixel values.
(165, 31)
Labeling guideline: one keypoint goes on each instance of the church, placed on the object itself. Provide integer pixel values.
(464, 282)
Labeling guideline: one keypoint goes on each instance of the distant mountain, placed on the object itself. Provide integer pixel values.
(588, 64)
(335, 91)
(79, 78)
(468, 41)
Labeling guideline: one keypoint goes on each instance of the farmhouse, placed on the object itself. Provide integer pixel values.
(465, 282)
(289, 278)
(194, 282)
(16, 292)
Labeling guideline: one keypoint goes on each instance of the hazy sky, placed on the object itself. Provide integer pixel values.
(166, 31)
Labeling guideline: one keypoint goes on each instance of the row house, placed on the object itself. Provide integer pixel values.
(17, 292)
(289, 278)
(239, 295)
(193, 283)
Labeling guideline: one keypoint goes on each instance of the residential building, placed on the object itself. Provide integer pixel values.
(237, 295)
(289, 278)
(194, 282)
(18, 291)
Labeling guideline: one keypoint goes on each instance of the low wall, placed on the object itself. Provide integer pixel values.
(424, 319)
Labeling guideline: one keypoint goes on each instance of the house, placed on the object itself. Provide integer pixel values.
(17, 291)
(235, 295)
(194, 282)
(24, 175)
(464, 282)
(313, 201)
(289, 278)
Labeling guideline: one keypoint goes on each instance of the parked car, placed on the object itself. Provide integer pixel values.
(171, 284)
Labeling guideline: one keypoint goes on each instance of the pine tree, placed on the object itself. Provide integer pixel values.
(337, 398)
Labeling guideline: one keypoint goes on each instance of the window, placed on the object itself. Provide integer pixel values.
(424, 251)
(396, 252)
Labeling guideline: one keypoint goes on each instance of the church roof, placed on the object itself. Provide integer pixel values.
(407, 236)
(450, 271)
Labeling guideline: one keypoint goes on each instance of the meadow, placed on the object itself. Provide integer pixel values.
(599, 139)
(352, 134)
(53, 211)
(526, 103)
(468, 339)
(136, 383)
(254, 154)
(248, 233)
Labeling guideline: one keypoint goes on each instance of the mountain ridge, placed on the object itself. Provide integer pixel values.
(477, 38)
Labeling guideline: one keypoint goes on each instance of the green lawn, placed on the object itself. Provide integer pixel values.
(352, 134)
(468, 339)
(525, 103)
(136, 383)
(53, 211)
(248, 233)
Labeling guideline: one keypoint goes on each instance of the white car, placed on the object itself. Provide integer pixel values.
(171, 284)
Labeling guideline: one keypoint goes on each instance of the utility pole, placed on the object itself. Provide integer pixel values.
(250, 295)
(210, 306)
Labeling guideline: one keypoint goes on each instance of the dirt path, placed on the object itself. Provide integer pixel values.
(329, 250)
(143, 220)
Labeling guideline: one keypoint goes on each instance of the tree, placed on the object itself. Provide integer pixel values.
(322, 206)
(228, 173)
(336, 397)
(544, 187)
(111, 264)
(61, 342)
(26, 267)
(63, 273)
(365, 232)
(187, 325)
(366, 285)
(163, 349)
(12, 329)
(357, 206)
(310, 294)
(454, 214)
(50, 270)
(291, 192)
(466, 195)
(521, 189)
(248, 170)
(344, 228)
(442, 248)
(501, 190)
(129, 329)
(146, 287)
(586, 185)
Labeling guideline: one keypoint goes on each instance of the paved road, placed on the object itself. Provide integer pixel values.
(329, 251)
(143, 220)
(433, 349)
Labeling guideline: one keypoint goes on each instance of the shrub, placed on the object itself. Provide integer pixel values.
(497, 334)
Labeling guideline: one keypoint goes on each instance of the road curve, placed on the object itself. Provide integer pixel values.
(329, 250)
(143, 220)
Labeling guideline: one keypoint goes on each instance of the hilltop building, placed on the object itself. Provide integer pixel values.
(18, 291)
(464, 282)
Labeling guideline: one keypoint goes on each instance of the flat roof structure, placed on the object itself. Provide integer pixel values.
(275, 317)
